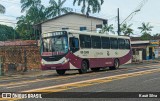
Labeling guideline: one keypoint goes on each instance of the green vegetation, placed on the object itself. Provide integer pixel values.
(108, 28)
(146, 31)
(56, 8)
(7, 33)
(89, 6)
(126, 29)
(2, 9)
(36, 13)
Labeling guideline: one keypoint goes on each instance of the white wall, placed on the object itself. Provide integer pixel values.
(71, 21)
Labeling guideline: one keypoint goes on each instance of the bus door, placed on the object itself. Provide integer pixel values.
(74, 44)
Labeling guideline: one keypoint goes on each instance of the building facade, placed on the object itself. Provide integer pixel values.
(147, 50)
(73, 21)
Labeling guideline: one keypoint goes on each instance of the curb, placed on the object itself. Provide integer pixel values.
(28, 74)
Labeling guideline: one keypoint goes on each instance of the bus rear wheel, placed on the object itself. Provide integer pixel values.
(116, 65)
(95, 69)
(84, 67)
(61, 72)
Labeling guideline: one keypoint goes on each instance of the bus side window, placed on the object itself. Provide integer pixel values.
(114, 43)
(85, 41)
(121, 43)
(74, 44)
(127, 44)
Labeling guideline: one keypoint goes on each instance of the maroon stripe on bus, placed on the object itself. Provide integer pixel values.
(93, 62)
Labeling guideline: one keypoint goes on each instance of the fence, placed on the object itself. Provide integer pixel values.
(20, 58)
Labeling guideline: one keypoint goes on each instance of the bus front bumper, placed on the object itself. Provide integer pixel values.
(55, 66)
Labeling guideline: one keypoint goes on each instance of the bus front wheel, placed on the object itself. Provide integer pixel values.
(116, 65)
(61, 72)
(84, 67)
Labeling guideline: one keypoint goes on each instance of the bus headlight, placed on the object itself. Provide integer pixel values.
(65, 61)
(42, 63)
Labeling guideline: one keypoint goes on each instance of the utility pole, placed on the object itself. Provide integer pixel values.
(119, 30)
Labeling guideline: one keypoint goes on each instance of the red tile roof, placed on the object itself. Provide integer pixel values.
(19, 43)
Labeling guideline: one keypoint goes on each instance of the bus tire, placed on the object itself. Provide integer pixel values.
(95, 69)
(116, 65)
(84, 67)
(61, 72)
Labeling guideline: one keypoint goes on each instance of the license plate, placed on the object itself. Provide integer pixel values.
(53, 67)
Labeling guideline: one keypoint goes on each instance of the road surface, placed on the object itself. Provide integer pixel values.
(130, 82)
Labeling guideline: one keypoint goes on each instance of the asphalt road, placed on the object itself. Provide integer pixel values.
(91, 86)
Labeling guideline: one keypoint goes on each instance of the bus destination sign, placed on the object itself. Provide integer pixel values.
(60, 33)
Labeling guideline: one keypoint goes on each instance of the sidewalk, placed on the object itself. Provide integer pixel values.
(40, 73)
(28, 74)
(147, 61)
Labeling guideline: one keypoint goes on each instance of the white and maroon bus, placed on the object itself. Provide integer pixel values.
(75, 50)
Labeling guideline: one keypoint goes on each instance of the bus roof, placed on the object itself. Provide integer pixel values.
(97, 34)
(92, 33)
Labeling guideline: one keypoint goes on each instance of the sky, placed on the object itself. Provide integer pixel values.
(150, 12)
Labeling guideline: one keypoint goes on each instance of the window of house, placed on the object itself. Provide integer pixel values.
(83, 28)
(65, 28)
(99, 26)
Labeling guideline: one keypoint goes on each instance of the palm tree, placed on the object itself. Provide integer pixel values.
(25, 23)
(56, 8)
(126, 29)
(2, 9)
(145, 28)
(146, 36)
(36, 14)
(22, 27)
(107, 28)
(89, 6)
(26, 4)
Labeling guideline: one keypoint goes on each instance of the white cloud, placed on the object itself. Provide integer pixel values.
(14, 10)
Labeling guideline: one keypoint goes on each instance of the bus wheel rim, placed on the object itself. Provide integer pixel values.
(116, 64)
(84, 67)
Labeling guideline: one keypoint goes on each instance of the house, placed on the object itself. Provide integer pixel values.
(146, 49)
(72, 21)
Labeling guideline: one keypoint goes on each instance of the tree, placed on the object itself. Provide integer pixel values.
(108, 28)
(2, 9)
(27, 4)
(89, 6)
(22, 27)
(126, 29)
(35, 13)
(7, 33)
(56, 8)
(145, 28)
(146, 36)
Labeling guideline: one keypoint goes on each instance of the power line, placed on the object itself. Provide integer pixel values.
(8, 22)
(10, 2)
(8, 15)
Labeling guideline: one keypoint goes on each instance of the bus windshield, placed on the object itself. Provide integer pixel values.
(55, 45)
